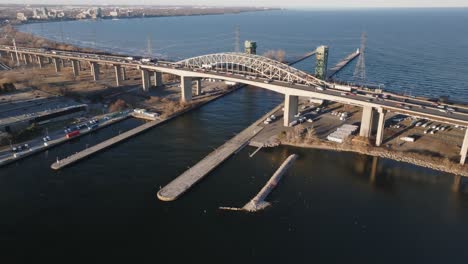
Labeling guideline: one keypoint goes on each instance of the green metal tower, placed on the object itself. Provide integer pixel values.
(321, 62)
(250, 47)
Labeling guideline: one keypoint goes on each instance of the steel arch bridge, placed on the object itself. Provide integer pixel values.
(252, 65)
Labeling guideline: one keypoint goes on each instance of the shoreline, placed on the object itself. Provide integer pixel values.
(434, 163)
(136, 17)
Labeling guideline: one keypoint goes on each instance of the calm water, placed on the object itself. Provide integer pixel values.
(328, 208)
(419, 52)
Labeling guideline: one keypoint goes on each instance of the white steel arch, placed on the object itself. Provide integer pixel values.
(249, 64)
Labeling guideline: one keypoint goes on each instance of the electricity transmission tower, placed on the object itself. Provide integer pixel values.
(149, 47)
(237, 39)
(360, 70)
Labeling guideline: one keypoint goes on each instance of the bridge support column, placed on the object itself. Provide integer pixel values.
(186, 87)
(464, 148)
(118, 74)
(95, 70)
(31, 58)
(40, 61)
(124, 73)
(56, 64)
(158, 79)
(380, 128)
(62, 61)
(366, 122)
(198, 86)
(75, 68)
(26, 59)
(145, 79)
(12, 57)
(290, 108)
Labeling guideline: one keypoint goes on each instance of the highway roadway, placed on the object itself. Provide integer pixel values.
(56, 137)
(362, 97)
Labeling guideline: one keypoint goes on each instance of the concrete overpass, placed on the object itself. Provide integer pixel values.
(250, 70)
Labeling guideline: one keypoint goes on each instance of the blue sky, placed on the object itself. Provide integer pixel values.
(275, 3)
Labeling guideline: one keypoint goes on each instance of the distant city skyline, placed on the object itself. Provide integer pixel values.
(266, 3)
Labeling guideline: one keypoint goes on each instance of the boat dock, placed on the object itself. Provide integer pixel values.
(56, 142)
(103, 145)
(126, 135)
(340, 65)
(190, 177)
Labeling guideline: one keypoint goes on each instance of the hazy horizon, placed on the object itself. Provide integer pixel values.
(260, 3)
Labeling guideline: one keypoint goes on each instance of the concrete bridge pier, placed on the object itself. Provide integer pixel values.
(118, 74)
(75, 67)
(464, 148)
(158, 79)
(95, 70)
(124, 73)
(290, 108)
(56, 64)
(40, 61)
(26, 59)
(62, 61)
(198, 86)
(380, 127)
(186, 87)
(145, 79)
(12, 56)
(31, 58)
(366, 122)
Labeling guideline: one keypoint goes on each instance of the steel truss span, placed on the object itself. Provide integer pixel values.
(248, 64)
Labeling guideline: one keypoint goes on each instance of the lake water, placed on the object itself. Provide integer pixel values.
(328, 208)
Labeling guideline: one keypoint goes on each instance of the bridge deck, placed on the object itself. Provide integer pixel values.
(193, 175)
(340, 65)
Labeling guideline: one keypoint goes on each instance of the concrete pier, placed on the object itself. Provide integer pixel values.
(95, 70)
(26, 58)
(56, 64)
(190, 177)
(340, 65)
(118, 74)
(40, 61)
(464, 148)
(290, 108)
(124, 74)
(366, 122)
(258, 202)
(75, 68)
(198, 86)
(158, 79)
(145, 79)
(186, 88)
(103, 145)
(380, 128)
(182, 183)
